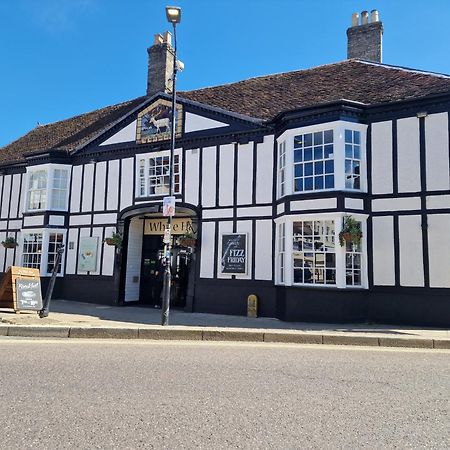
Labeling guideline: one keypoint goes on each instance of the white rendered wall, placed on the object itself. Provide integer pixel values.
(226, 175)
(209, 176)
(127, 183)
(7, 180)
(100, 186)
(207, 250)
(245, 174)
(23, 195)
(88, 188)
(127, 134)
(411, 256)
(245, 226)
(437, 152)
(224, 227)
(76, 189)
(194, 122)
(134, 255)
(383, 251)
(408, 155)
(112, 194)
(263, 251)
(439, 250)
(108, 254)
(15, 196)
(192, 176)
(264, 170)
(382, 158)
(71, 264)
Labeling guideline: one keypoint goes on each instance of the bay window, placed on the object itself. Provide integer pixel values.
(153, 177)
(309, 253)
(39, 249)
(48, 187)
(322, 158)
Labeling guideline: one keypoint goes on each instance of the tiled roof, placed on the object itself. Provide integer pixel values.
(368, 83)
(66, 135)
(261, 97)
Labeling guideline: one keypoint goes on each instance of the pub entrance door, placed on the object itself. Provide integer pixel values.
(150, 291)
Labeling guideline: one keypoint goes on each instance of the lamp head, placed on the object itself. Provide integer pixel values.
(173, 14)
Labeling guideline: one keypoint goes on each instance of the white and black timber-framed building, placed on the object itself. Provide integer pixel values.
(279, 159)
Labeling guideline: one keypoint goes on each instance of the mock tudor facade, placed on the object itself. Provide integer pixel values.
(274, 164)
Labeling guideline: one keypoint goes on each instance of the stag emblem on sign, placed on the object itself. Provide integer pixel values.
(154, 122)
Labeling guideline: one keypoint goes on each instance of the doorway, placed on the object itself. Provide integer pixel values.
(150, 290)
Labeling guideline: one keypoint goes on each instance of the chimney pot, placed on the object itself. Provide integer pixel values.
(158, 39)
(374, 16)
(365, 40)
(355, 19)
(364, 18)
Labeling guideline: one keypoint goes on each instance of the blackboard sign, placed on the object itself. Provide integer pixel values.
(28, 293)
(234, 254)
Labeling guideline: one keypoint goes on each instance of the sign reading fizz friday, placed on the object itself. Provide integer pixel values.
(87, 258)
(234, 254)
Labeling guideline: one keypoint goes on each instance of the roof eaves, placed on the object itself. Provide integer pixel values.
(113, 124)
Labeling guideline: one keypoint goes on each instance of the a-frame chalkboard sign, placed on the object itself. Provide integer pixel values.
(20, 289)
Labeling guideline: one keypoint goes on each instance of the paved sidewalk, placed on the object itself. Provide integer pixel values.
(75, 319)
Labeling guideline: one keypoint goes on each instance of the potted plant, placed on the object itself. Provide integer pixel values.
(115, 239)
(351, 231)
(9, 242)
(187, 240)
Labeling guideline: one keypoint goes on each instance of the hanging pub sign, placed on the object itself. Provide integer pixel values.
(234, 254)
(154, 122)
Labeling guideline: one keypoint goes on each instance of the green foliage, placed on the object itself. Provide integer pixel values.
(115, 239)
(351, 231)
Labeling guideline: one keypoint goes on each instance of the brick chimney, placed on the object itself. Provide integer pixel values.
(365, 37)
(160, 64)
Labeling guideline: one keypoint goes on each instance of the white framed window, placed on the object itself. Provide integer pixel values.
(32, 250)
(37, 190)
(153, 175)
(313, 161)
(312, 255)
(39, 249)
(322, 157)
(48, 187)
(281, 169)
(353, 264)
(281, 251)
(314, 252)
(352, 159)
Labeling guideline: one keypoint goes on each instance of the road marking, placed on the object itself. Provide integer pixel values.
(172, 343)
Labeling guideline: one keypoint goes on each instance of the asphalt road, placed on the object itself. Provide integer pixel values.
(127, 395)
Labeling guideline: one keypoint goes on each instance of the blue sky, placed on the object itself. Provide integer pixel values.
(60, 58)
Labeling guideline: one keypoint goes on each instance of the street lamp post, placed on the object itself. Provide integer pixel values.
(173, 14)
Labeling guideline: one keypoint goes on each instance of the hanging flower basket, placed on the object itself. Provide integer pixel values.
(115, 240)
(10, 242)
(351, 232)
